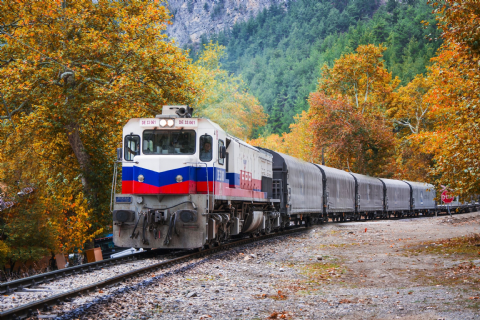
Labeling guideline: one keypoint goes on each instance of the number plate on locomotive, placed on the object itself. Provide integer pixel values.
(123, 199)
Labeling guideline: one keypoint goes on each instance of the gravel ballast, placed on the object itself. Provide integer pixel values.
(343, 270)
(354, 270)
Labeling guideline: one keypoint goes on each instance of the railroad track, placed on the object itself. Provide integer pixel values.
(47, 277)
(45, 305)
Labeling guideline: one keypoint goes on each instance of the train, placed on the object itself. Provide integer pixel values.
(188, 184)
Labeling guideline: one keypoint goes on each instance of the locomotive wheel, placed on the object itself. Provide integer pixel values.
(308, 222)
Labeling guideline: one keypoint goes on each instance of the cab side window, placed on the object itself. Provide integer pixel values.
(206, 148)
(220, 159)
(132, 147)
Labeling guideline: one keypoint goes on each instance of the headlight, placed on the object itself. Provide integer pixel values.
(179, 178)
(141, 178)
(163, 123)
(170, 122)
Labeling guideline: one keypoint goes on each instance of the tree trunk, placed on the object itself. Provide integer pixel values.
(80, 153)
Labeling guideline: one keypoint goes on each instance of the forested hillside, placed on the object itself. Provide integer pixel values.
(279, 53)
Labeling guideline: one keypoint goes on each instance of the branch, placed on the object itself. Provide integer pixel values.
(406, 123)
(5, 27)
(6, 62)
(10, 114)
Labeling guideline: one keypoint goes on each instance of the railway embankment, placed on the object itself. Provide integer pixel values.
(380, 269)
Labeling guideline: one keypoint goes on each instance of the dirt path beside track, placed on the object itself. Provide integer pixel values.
(382, 269)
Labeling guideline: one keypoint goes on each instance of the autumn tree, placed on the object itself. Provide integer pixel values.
(354, 141)
(361, 78)
(454, 139)
(71, 74)
(347, 112)
(455, 98)
(224, 98)
(298, 142)
(346, 117)
(410, 112)
(436, 115)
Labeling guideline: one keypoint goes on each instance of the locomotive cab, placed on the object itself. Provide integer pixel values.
(160, 154)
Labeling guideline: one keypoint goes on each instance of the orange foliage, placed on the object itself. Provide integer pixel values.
(444, 139)
(356, 141)
(454, 139)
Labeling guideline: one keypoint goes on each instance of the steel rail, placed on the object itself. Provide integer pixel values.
(30, 309)
(42, 278)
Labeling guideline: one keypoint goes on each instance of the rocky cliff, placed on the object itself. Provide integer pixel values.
(193, 18)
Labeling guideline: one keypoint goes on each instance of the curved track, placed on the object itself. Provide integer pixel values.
(45, 305)
(32, 308)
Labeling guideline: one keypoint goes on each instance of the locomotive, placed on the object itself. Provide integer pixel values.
(188, 184)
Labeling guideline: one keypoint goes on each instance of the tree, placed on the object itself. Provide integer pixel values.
(361, 78)
(298, 143)
(454, 99)
(224, 98)
(347, 112)
(410, 113)
(454, 138)
(71, 73)
(458, 21)
(409, 109)
(354, 141)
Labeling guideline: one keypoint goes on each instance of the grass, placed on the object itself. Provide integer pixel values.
(467, 247)
(464, 274)
(321, 271)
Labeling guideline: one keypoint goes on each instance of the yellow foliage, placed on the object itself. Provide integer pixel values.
(298, 143)
(4, 252)
(71, 74)
(223, 98)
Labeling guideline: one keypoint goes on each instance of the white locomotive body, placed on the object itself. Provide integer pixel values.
(186, 184)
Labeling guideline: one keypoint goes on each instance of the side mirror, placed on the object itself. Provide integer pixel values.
(223, 152)
(119, 154)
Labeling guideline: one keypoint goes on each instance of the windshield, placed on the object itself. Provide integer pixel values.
(168, 142)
